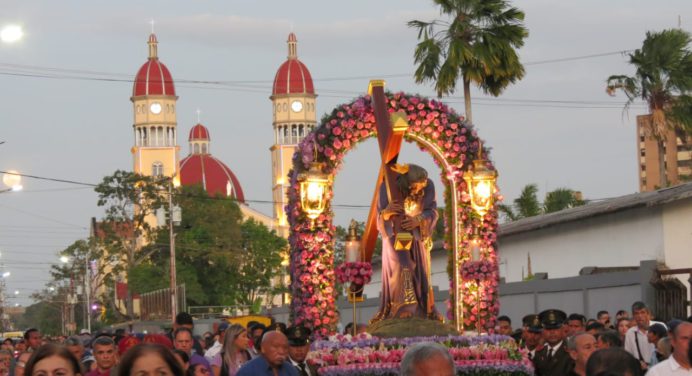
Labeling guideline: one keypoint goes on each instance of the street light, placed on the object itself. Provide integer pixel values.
(13, 180)
(11, 33)
(174, 183)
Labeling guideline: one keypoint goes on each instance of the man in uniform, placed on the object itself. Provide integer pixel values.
(298, 348)
(554, 358)
(532, 335)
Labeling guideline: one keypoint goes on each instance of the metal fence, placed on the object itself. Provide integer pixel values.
(156, 305)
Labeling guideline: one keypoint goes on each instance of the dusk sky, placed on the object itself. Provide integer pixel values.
(65, 110)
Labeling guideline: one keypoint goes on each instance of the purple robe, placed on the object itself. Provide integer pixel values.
(406, 289)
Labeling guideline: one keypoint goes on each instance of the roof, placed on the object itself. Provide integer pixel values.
(293, 77)
(214, 176)
(153, 78)
(199, 133)
(593, 209)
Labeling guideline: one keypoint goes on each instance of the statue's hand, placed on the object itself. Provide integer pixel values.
(391, 210)
(409, 223)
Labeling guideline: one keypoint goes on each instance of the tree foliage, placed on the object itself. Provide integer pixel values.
(662, 79)
(130, 201)
(528, 205)
(221, 258)
(475, 43)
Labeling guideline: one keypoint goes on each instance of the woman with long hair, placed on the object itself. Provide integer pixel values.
(149, 359)
(52, 359)
(233, 352)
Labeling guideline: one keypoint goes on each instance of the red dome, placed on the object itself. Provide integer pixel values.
(153, 78)
(293, 77)
(199, 133)
(212, 174)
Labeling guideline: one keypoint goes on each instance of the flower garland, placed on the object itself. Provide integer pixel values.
(312, 248)
(477, 270)
(359, 272)
(366, 355)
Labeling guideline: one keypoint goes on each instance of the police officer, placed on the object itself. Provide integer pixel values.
(298, 348)
(532, 335)
(554, 358)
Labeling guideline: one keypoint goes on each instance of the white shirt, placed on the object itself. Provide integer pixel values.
(553, 350)
(668, 367)
(213, 350)
(635, 335)
(295, 364)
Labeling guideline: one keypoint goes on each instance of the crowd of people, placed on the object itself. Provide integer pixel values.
(558, 344)
(561, 344)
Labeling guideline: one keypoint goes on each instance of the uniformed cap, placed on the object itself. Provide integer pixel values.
(277, 326)
(532, 323)
(298, 335)
(552, 318)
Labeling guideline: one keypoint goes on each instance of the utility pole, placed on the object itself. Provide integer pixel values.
(174, 294)
(87, 286)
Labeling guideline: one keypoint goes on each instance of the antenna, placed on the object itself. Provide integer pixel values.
(151, 22)
(679, 21)
(199, 113)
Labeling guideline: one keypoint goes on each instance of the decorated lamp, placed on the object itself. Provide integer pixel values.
(314, 185)
(352, 246)
(480, 181)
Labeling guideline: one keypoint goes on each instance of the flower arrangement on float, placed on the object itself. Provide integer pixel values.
(357, 272)
(367, 355)
(312, 241)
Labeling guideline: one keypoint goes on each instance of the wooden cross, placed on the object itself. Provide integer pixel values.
(390, 134)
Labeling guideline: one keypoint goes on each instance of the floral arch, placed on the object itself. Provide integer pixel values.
(454, 144)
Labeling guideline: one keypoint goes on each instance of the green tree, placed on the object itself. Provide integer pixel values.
(222, 259)
(260, 264)
(207, 248)
(130, 201)
(560, 199)
(476, 44)
(663, 79)
(74, 272)
(527, 204)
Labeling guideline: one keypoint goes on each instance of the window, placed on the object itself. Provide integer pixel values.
(157, 169)
(196, 149)
(204, 148)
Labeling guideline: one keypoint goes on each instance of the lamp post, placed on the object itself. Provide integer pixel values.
(13, 180)
(175, 182)
(87, 288)
(11, 34)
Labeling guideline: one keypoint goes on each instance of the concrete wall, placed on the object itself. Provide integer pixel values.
(586, 294)
(618, 239)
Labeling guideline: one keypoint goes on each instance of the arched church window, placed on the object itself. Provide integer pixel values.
(157, 169)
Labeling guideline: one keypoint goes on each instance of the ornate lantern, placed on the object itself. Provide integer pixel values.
(314, 186)
(480, 181)
(352, 246)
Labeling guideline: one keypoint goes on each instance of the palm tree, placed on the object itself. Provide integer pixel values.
(477, 44)
(527, 204)
(561, 198)
(663, 79)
